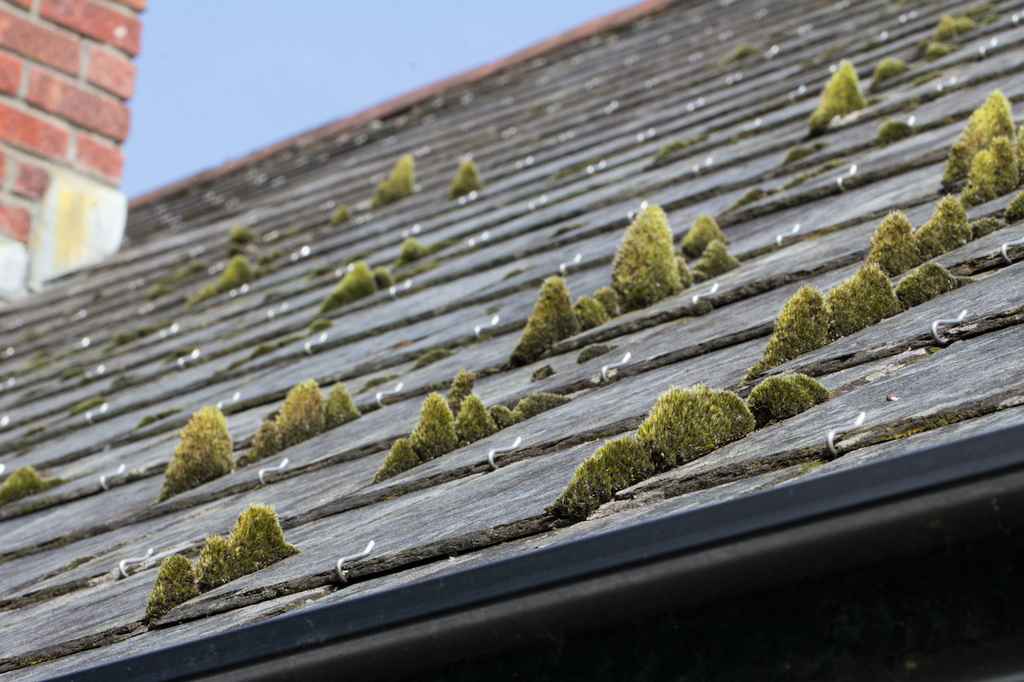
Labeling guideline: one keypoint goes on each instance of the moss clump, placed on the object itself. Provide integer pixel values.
(301, 415)
(741, 53)
(685, 276)
(87, 404)
(339, 408)
(237, 272)
(266, 442)
(986, 226)
(994, 172)
(216, 564)
(804, 324)
(842, 96)
(434, 435)
(410, 251)
(893, 131)
(542, 373)
(430, 357)
(258, 540)
(925, 283)
(593, 351)
(321, 324)
(935, 49)
(616, 465)
(750, 197)
(203, 454)
(673, 149)
(589, 312)
(398, 185)
(382, 277)
(992, 119)
(551, 321)
(535, 403)
(241, 236)
(609, 300)
(175, 584)
(356, 284)
(946, 230)
(888, 68)
(893, 246)
(401, 457)
(466, 180)
(474, 421)
(798, 153)
(952, 26)
(687, 423)
(23, 482)
(461, 388)
(716, 260)
(644, 269)
(704, 231)
(502, 416)
(340, 215)
(784, 396)
(860, 301)
(1015, 211)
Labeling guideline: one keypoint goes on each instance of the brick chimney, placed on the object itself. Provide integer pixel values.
(66, 73)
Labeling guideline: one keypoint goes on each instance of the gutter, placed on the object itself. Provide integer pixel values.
(906, 506)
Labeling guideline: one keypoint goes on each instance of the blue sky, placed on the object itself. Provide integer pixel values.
(220, 78)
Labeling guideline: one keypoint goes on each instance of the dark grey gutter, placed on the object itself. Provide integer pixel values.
(902, 507)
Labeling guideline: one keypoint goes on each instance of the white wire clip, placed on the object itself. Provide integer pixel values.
(1005, 249)
(3, 468)
(938, 324)
(849, 174)
(184, 360)
(234, 399)
(831, 437)
(494, 323)
(352, 557)
(313, 343)
(779, 238)
(103, 477)
(123, 565)
(394, 289)
(710, 292)
(564, 267)
(380, 394)
(610, 370)
(279, 467)
(496, 451)
(102, 410)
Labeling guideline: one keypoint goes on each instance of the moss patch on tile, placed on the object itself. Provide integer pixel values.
(382, 277)
(804, 324)
(474, 421)
(936, 49)
(704, 231)
(410, 251)
(994, 172)
(644, 269)
(266, 442)
(434, 434)
(893, 246)
(672, 150)
(841, 96)
(23, 482)
(716, 260)
(552, 320)
(893, 131)
(431, 356)
(340, 215)
(401, 457)
(175, 584)
(784, 396)
(950, 27)
(203, 453)
(400, 184)
(925, 283)
(1015, 210)
(339, 408)
(616, 465)
(992, 119)
(301, 415)
(887, 69)
(861, 300)
(237, 272)
(356, 284)
(461, 388)
(590, 313)
(946, 230)
(466, 180)
(801, 152)
(593, 351)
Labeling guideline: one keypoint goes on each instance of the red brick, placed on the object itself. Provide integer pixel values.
(32, 133)
(31, 181)
(27, 4)
(40, 43)
(65, 99)
(3, 167)
(137, 5)
(10, 73)
(100, 157)
(15, 222)
(90, 18)
(112, 72)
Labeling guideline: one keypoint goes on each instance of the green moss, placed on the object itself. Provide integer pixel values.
(203, 453)
(87, 404)
(994, 172)
(153, 418)
(704, 231)
(23, 482)
(461, 388)
(430, 357)
(216, 564)
(257, 539)
(946, 230)
(551, 321)
(750, 197)
(266, 442)
(356, 284)
(382, 277)
(589, 312)
(888, 68)
(862, 300)
(474, 421)
(301, 415)
(434, 434)
(952, 26)
(340, 215)
(175, 584)
(126, 337)
(986, 226)
(685, 276)
(593, 351)
(893, 131)
(687, 423)
(784, 396)
(466, 180)
(925, 283)
(1015, 211)
(410, 251)
(339, 408)
(542, 372)
(236, 273)
(321, 324)
(716, 260)
(609, 300)
(982, 12)
(992, 119)
(535, 403)
(401, 457)
(935, 49)
(804, 324)
(240, 235)
(801, 152)
(401, 183)
(842, 96)
(502, 416)
(375, 382)
(893, 246)
(616, 465)
(675, 148)
(741, 53)
(644, 269)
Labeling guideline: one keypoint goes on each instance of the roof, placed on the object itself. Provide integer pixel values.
(107, 366)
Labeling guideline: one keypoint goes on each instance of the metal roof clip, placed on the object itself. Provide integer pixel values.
(380, 394)
(831, 437)
(496, 451)
(103, 477)
(1005, 249)
(279, 467)
(494, 323)
(123, 565)
(609, 370)
(938, 324)
(352, 557)
(710, 292)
